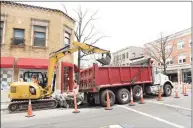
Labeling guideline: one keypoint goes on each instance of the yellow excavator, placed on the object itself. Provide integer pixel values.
(40, 94)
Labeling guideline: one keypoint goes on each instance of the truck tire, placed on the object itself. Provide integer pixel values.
(90, 99)
(167, 90)
(123, 96)
(103, 98)
(136, 92)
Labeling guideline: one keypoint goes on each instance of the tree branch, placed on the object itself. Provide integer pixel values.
(86, 38)
(65, 9)
(152, 54)
(91, 18)
(85, 14)
(98, 40)
(79, 16)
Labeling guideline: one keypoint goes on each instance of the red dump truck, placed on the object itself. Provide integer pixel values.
(96, 80)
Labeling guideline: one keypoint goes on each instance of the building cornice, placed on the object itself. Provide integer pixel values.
(36, 7)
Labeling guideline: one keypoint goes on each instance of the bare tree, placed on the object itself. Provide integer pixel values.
(84, 30)
(161, 51)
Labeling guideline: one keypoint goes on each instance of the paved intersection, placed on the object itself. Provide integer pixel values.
(169, 113)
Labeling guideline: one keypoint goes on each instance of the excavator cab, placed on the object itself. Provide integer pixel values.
(42, 78)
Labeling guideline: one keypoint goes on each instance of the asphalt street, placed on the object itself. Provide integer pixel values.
(169, 113)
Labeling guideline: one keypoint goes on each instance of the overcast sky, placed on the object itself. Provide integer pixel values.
(131, 23)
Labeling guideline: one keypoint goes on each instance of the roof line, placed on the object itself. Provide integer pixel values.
(170, 35)
(122, 49)
(37, 7)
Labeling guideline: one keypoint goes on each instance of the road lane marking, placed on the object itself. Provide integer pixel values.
(154, 117)
(170, 105)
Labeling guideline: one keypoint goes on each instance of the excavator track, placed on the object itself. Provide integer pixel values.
(41, 104)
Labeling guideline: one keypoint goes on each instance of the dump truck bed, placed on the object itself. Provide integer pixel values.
(97, 77)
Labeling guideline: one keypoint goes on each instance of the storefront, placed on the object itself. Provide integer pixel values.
(172, 74)
(12, 70)
(30, 64)
(187, 78)
(7, 71)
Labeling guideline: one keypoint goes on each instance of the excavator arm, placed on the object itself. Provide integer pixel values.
(57, 55)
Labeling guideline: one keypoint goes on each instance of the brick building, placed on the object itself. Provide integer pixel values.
(28, 34)
(124, 56)
(178, 47)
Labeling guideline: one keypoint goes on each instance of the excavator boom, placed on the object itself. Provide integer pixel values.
(85, 48)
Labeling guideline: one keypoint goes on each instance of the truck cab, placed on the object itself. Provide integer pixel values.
(160, 80)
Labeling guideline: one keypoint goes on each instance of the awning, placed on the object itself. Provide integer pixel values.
(32, 63)
(7, 62)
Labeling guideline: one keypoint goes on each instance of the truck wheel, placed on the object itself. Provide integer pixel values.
(90, 99)
(136, 92)
(167, 90)
(123, 96)
(103, 98)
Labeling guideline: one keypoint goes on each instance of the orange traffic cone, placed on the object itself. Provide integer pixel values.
(182, 88)
(131, 101)
(141, 100)
(159, 95)
(176, 96)
(185, 92)
(108, 102)
(75, 105)
(29, 113)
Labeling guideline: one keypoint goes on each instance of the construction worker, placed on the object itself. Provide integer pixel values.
(34, 79)
(76, 91)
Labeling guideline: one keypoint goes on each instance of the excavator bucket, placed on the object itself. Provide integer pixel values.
(106, 59)
(90, 49)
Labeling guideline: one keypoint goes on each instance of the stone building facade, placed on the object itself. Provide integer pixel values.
(179, 57)
(28, 35)
(123, 56)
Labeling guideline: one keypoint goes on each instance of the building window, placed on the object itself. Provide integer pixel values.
(39, 36)
(6, 77)
(127, 55)
(18, 37)
(67, 36)
(180, 44)
(169, 61)
(117, 58)
(168, 48)
(133, 55)
(182, 58)
(160, 64)
(123, 56)
(1, 30)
